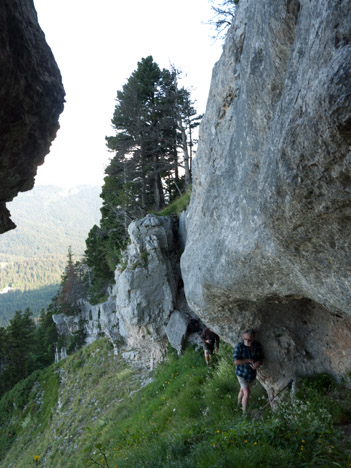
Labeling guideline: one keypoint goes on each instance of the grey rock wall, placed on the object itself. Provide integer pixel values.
(146, 286)
(93, 320)
(31, 96)
(268, 231)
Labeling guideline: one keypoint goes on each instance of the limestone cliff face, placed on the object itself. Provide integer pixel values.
(146, 308)
(31, 96)
(269, 226)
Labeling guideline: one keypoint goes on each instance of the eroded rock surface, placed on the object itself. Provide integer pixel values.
(146, 286)
(146, 308)
(31, 96)
(269, 226)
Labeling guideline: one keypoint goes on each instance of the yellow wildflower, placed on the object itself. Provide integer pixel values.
(36, 458)
(245, 441)
(255, 443)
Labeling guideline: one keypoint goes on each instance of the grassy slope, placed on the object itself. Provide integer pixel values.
(85, 411)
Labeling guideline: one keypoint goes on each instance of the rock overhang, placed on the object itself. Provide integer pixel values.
(269, 217)
(32, 97)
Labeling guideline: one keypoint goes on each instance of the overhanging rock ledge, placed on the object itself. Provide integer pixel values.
(31, 97)
(268, 242)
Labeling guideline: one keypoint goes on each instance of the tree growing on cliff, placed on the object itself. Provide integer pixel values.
(224, 12)
(153, 145)
(153, 122)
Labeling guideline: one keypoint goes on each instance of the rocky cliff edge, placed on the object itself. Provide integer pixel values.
(146, 308)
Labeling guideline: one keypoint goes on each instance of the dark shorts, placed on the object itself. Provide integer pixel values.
(209, 347)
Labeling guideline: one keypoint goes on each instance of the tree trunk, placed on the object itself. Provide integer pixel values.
(186, 155)
(158, 191)
(143, 183)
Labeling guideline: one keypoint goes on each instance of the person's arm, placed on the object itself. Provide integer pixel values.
(217, 342)
(202, 336)
(238, 362)
(238, 358)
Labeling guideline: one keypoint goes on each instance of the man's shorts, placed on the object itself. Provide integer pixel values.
(208, 347)
(244, 383)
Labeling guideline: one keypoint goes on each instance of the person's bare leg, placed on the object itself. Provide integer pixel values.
(207, 357)
(245, 398)
(240, 396)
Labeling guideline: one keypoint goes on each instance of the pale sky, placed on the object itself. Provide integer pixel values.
(97, 46)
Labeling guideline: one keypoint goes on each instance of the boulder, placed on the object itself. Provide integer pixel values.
(176, 330)
(268, 226)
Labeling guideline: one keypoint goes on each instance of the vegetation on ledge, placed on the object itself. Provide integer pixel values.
(177, 206)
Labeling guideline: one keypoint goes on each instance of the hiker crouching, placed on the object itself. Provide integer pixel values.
(209, 339)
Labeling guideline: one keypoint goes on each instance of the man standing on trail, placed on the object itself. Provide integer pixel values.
(209, 338)
(248, 356)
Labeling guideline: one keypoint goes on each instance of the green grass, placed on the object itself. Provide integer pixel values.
(91, 410)
(176, 207)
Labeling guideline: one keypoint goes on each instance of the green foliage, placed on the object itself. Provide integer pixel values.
(25, 347)
(320, 390)
(74, 342)
(73, 286)
(46, 395)
(31, 402)
(11, 404)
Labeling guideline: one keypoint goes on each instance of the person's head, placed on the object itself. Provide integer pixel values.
(249, 337)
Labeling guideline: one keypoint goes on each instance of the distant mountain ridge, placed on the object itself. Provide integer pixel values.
(49, 219)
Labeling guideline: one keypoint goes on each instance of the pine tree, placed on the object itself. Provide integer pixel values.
(46, 337)
(18, 349)
(73, 287)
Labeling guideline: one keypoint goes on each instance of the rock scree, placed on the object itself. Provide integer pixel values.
(268, 226)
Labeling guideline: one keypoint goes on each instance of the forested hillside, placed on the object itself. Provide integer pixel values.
(33, 256)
